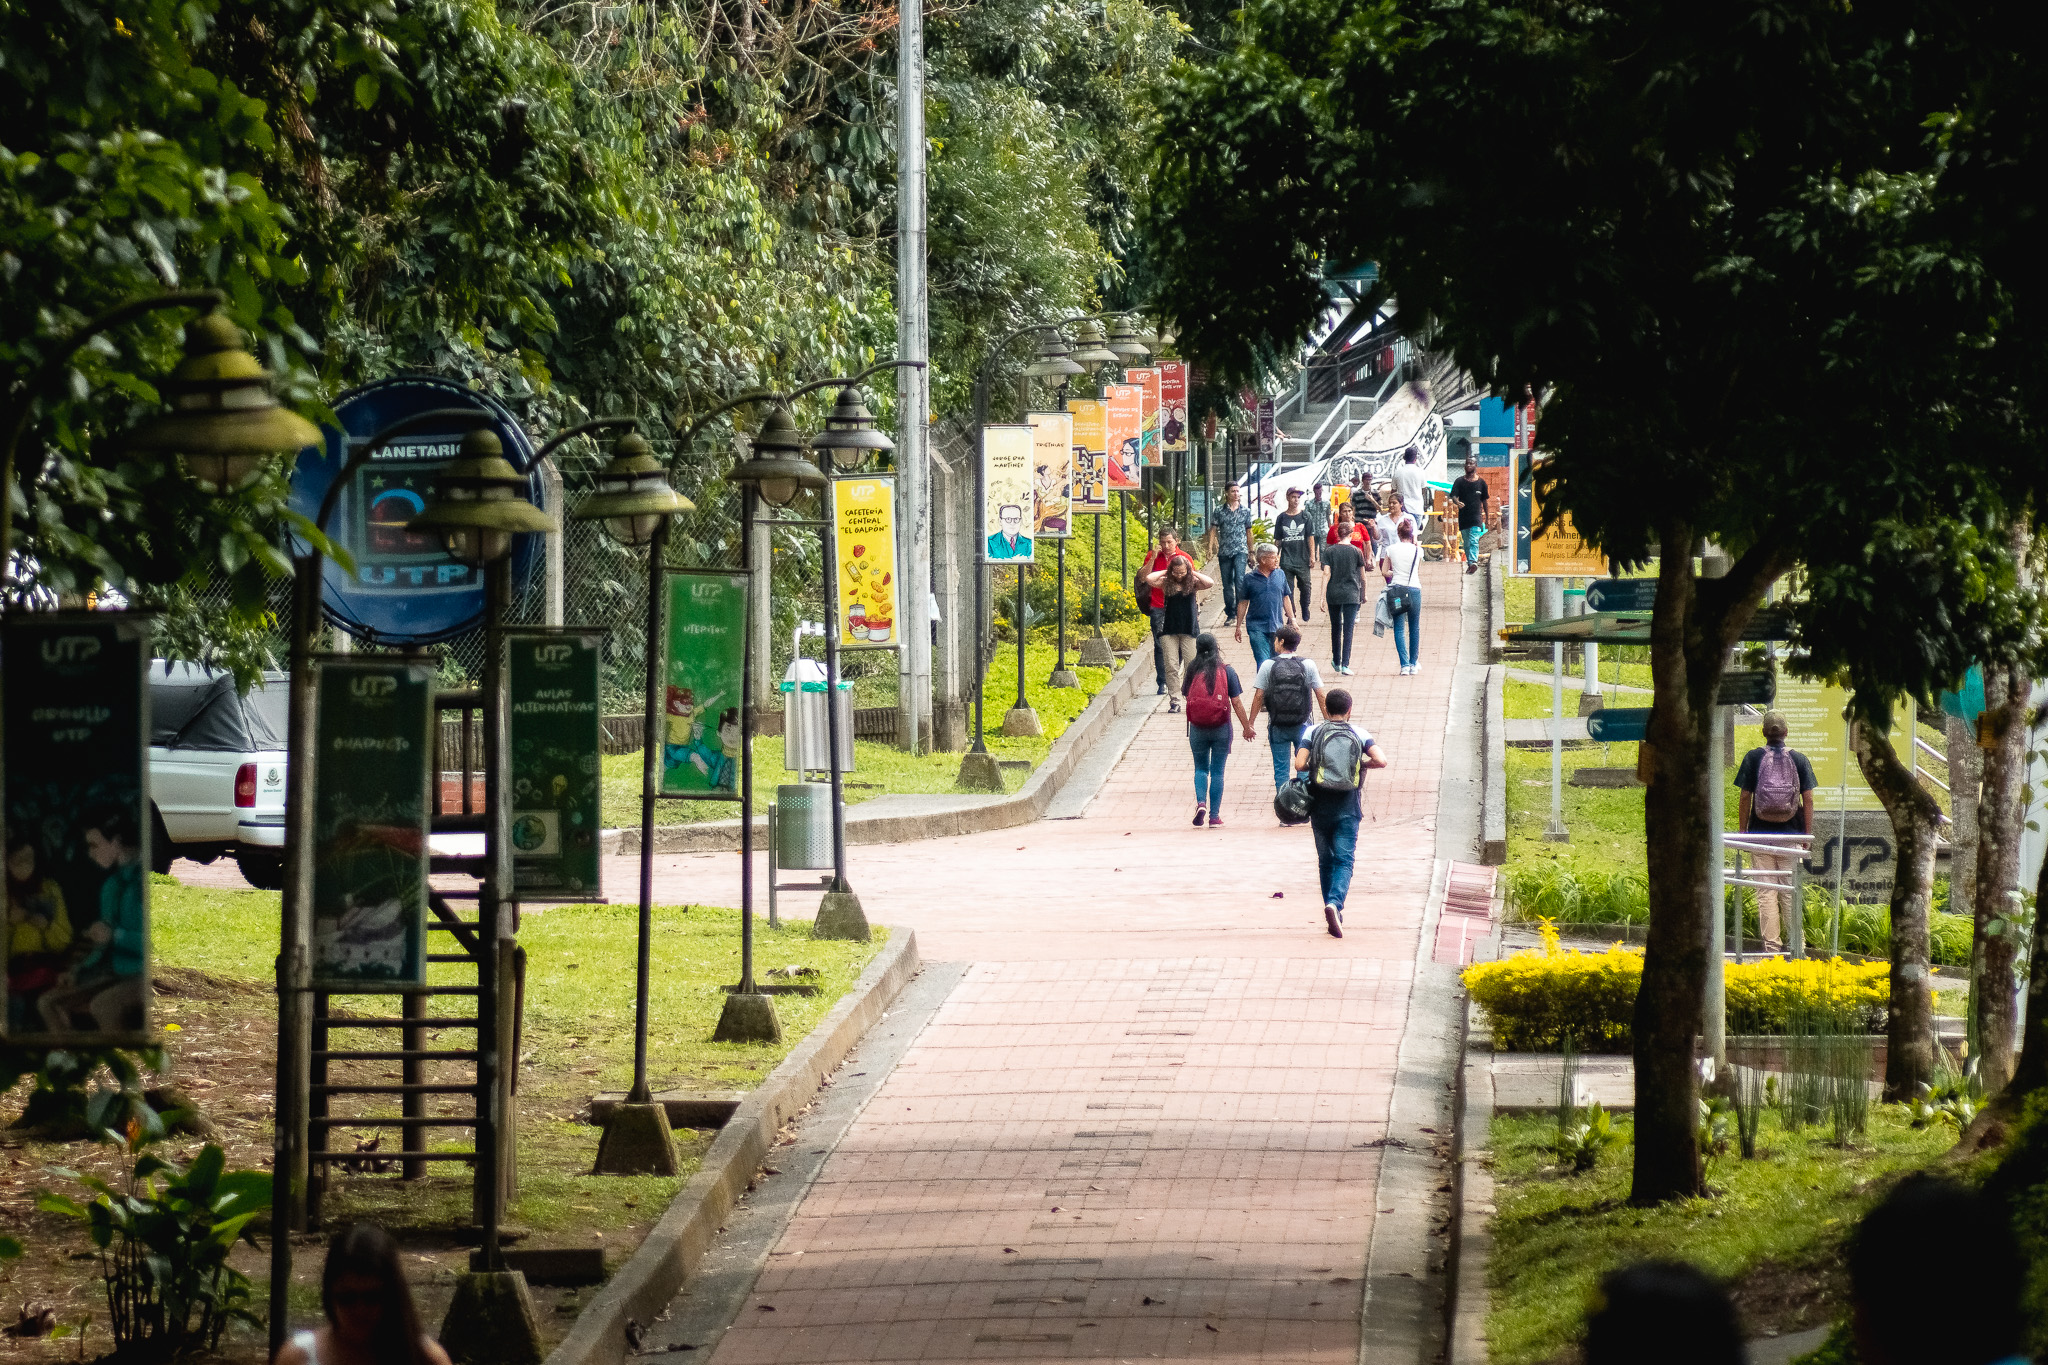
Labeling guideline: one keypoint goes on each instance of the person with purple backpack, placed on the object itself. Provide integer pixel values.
(1777, 784)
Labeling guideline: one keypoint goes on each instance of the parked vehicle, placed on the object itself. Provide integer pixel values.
(217, 770)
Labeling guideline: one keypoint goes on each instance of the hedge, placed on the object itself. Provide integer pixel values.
(1533, 999)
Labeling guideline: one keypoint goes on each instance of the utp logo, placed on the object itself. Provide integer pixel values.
(553, 655)
(71, 649)
(373, 688)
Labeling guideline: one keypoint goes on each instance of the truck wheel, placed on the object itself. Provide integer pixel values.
(160, 850)
(262, 870)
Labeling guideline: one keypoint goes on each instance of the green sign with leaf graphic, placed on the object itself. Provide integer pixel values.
(556, 782)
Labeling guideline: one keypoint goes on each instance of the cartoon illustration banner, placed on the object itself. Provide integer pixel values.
(77, 723)
(1091, 455)
(557, 785)
(374, 765)
(1147, 382)
(1124, 405)
(1173, 405)
(864, 506)
(1008, 519)
(706, 645)
(1052, 472)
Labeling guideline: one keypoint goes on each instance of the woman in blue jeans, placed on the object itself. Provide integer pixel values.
(1213, 693)
(1401, 563)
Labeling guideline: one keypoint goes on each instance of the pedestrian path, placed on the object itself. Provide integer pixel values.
(1155, 1118)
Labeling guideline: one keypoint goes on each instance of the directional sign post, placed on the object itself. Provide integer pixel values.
(1758, 688)
(1621, 594)
(1618, 724)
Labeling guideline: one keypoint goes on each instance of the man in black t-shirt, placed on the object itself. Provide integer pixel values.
(1293, 532)
(1776, 783)
(1343, 590)
(1470, 494)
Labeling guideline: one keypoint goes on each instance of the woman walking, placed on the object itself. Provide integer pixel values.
(1401, 565)
(1175, 586)
(1213, 693)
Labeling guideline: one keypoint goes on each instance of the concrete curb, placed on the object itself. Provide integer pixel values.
(899, 819)
(643, 1287)
(1496, 608)
(1493, 850)
(1471, 1202)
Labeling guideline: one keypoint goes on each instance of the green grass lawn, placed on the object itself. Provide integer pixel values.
(1555, 1234)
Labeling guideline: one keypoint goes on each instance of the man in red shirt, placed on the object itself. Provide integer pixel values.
(1155, 600)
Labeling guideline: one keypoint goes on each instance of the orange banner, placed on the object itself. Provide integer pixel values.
(1125, 407)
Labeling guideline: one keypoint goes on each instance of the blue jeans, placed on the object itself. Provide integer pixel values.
(1262, 644)
(1336, 832)
(1406, 608)
(1230, 568)
(1211, 747)
(1473, 535)
(1284, 739)
(1158, 615)
(1343, 619)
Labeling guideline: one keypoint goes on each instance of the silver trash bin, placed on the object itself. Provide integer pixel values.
(806, 746)
(803, 825)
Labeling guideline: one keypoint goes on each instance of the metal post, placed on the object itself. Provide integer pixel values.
(1123, 536)
(749, 508)
(829, 588)
(1795, 929)
(1716, 1020)
(492, 1122)
(1556, 833)
(913, 389)
(650, 789)
(1060, 603)
(1842, 858)
(982, 623)
(1098, 575)
(774, 869)
(1021, 703)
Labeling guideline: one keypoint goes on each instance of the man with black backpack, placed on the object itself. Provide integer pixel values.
(1777, 784)
(1332, 759)
(1287, 689)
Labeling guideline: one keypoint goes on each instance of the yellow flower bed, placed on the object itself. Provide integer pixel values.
(1533, 999)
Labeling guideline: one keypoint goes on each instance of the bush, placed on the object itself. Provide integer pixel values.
(1127, 635)
(1534, 999)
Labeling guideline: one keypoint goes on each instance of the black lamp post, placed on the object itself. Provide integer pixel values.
(1091, 350)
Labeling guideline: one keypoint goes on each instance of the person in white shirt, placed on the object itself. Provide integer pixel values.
(1408, 483)
(1401, 565)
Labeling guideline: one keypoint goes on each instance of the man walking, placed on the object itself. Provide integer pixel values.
(1777, 785)
(1233, 547)
(1285, 689)
(1263, 603)
(1321, 513)
(1409, 484)
(1470, 493)
(1333, 759)
(1297, 551)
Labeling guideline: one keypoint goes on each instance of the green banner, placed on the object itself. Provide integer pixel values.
(373, 778)
(78, 828)
(557, 783)
(700, 723)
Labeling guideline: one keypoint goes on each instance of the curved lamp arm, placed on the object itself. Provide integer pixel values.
(583, 428)
(772, 395)
(844, 382)
(384, 438)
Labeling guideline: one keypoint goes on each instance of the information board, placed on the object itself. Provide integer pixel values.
(557, 781)
(1814, 726)
(702, 674)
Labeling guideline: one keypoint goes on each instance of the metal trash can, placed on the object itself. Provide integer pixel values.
(806, 744)
(803, 825)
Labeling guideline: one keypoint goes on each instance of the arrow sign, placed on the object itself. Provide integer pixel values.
(1618, 724)
(1759, 688)
(1621, 594)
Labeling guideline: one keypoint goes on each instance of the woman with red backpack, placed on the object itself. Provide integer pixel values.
(1213, 693)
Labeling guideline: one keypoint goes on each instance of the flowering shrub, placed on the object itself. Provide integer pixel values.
(1534, 999)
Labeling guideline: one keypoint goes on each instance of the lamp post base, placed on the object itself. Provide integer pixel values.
(1063, 677)
(1557, 834)
(1096, 653)
(840, 916)
(491, 1321)
(1021, 722)
(980, 773)
(748, 1019)
(637, 1141)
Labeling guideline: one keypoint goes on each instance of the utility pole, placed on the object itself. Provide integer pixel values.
(913, 393)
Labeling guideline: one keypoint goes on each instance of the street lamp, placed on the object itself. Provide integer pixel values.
(1091, 348)
(1125, 342)
(850, 435)
(477, 509)
(225, 422)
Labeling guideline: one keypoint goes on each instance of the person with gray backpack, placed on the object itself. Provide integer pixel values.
(1332, 760)
(1777, 784)
(1286, 689)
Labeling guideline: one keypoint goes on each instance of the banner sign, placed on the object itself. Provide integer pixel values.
(1173, 404)
(1052, 473)
(707, 640)
(557, 782)
(1124, 406)
(1198, 512)
(1091, 455)
(79, 827)
(1269, 429)
(1146, 381)
(406, 589)
(374, 765)
(1814, 726)
(864, 509)
(1621, 594)
(1558, 552)
(1011, 512)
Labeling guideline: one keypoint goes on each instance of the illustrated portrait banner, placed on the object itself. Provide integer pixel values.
(1052, 473)
(1011, 513)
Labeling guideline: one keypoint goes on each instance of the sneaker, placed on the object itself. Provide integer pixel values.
(1172, 705)
(1414, 670)
(1162, 689)
(1472, 566)
(1201, 816)
(1215, 822)
(1331, 918)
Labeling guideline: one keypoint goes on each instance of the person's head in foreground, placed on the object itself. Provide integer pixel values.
(1933, 1241)
(1288, 638)
(1775, 728)
(1337, 704)
(1663, 1311)
(369, 1307)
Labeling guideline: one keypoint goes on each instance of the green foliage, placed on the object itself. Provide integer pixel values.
(1581, 1140)
(63, 1103)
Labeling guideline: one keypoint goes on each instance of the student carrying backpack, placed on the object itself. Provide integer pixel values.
(1332, 760)
(1285, 689)
(1212, 692)
(1776, 782)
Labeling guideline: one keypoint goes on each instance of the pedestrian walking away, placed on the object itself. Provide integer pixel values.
(1408, 482)
(1155, 600)
(1264, 604)
(1233, 547)
(1776, 784)
(1288, 689)
(1176, 585)
(1470, 493)
(1321, 514)
(1401, 565)
(1333, 759)
(1213, 695)
(1294, 533)
(1343, 590)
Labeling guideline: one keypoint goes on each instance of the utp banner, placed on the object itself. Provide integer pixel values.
(1091, 455)
(1146, 381)
(1173, 404)
(1125, 405)
(707, 640)
(1052, 472)
(557, 783)
(864, 506)
(1008, 519)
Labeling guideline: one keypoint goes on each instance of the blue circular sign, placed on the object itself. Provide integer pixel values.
(405, 588)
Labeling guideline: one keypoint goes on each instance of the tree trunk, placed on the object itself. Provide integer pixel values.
(1965, 771)
(1999, 820)
(2031, 1073)
(1916, 818)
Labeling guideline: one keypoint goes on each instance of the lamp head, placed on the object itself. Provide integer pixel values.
(775, 465)
(477, 508)
(1126, 343)
(1089, 345)
(1052, 361)
(850, 432)
(224, 422)
(633, 495)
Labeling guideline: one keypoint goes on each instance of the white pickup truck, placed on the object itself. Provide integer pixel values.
(217, 769)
